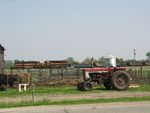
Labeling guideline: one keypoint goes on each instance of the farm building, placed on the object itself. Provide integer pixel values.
(2, 49)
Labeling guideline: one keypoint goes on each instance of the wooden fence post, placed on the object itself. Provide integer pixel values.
(62, 74)
(141, 71)
(50, 73)
(32, 88)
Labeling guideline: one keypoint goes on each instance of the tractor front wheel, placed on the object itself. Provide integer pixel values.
(120, 80)
(87, 85)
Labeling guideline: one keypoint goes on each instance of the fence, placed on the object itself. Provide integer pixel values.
(139, 74)
(49, 75)
(140, 71)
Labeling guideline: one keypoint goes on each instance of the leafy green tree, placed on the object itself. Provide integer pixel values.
(88, 60)
(119, 60)
(101, 59)
(16, 60)
(71, 60)
(8, 64)
(148, 56)
(130, 60)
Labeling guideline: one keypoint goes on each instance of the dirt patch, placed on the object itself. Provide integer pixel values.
(105, 95)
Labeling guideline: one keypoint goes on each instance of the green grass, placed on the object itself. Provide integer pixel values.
(69, 90)
(70, 102)
(50, 90)
(141, 88)
(65, 90)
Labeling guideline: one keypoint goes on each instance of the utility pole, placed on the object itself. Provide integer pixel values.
(92, 62)
(134, 52)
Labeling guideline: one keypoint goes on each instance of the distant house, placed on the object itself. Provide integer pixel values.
(2, 49)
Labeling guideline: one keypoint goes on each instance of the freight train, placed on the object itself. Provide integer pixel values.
(65, 64)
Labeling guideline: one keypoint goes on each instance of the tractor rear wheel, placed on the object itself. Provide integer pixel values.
(120, 80)
(87, 85)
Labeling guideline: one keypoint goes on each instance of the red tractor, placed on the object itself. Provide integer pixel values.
(111, 76)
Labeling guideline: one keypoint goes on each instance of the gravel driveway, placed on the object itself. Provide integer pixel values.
(104, 95)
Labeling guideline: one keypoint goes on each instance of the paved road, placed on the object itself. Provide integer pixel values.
(134, 107)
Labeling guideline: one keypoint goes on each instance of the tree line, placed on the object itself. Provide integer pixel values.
(88, 60)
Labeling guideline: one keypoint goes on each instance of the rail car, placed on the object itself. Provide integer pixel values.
(134, 63)
(37, 64)
(64, 64)
(59, 63)
(23, 64)
(146, 63)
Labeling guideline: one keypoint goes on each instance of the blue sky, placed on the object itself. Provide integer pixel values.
(57, 29)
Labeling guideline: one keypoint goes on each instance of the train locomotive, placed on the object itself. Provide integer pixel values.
(45, 64)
